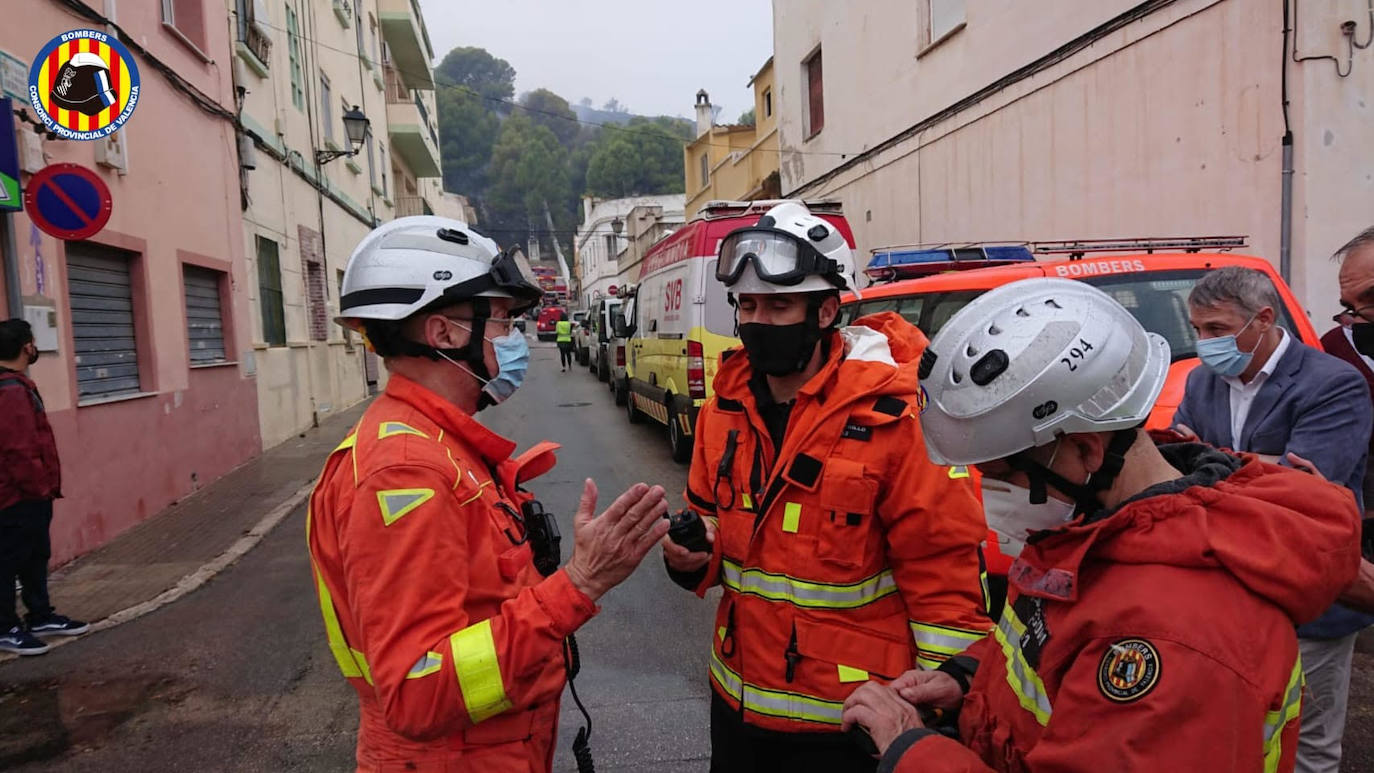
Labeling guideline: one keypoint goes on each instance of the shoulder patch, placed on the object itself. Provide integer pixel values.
(388, 428)
(1129, 670)
(395, 503)
(731, 406)
(890, 405)
(860, 432)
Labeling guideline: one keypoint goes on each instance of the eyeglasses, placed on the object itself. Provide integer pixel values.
(504, 323)
(1348, 315)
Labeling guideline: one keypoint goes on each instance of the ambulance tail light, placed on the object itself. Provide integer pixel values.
(620, 356)
(696, 371)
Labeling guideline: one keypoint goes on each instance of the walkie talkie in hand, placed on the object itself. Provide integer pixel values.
(688, 530)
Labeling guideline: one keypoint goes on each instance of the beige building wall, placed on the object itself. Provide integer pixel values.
(295, 94)
(735, 162)
(1169, 124)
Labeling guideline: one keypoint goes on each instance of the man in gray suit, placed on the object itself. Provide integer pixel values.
(1263, 391)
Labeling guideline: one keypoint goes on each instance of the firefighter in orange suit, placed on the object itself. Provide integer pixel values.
(844, 553)
(1150, 621)
(427, 553)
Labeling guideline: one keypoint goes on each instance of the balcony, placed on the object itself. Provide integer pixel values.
(404, 29)
(412, 205)
(411, 128)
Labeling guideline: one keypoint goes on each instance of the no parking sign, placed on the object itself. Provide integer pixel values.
(68, 201)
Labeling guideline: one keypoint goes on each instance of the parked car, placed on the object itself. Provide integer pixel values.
(581, 335)
(599, 348)
(548, 318)
(681, 318)
(1152, 286)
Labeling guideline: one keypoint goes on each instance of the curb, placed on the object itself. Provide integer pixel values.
(195, 579)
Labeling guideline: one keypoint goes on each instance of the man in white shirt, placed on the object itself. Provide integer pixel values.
(1261, 391)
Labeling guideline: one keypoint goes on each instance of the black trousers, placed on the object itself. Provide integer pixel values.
(24, 552)
(565, 353)
(739, 748)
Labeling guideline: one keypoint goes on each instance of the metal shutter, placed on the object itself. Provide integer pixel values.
(204, 320)
(102, 320)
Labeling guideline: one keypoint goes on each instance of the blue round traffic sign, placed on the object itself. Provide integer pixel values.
(68, 201)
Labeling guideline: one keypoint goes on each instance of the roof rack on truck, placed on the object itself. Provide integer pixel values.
(1077, 248)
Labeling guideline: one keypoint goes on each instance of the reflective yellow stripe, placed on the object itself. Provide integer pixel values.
(958, 471)
(389, 428)
(746, 500)
(429, 663)
(478, 671)
(1030, 691)
(943, 639)
(774, 703)
(780, 587)
(395, 503)
(1276, 720)
(348, 442)
(848, 674)
(791, 517)
(351, 662)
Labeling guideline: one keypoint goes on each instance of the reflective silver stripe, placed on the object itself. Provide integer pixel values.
(1030, 691)
(942, 639)
(429, 663)
(1275, 721)
(780, 587)
(774, 703)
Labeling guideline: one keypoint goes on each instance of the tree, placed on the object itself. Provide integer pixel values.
(644, 158)
(478, 70)
(551, 111)
(746, 118)
(529, 167)
(467, 131)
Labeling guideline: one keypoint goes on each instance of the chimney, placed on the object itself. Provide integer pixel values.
(704, 113)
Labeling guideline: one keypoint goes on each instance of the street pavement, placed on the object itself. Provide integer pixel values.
(236, 676)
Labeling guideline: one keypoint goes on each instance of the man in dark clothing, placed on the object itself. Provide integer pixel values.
(30, 479)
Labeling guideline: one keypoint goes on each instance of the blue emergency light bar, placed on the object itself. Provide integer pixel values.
(890, 263)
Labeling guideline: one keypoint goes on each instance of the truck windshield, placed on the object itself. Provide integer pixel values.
(1158, 299)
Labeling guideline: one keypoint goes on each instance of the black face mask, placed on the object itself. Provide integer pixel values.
(779, 350)
(1363, 335)
(34, 356)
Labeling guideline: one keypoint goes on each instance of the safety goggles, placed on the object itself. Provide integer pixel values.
(510, 273)
(778, 257)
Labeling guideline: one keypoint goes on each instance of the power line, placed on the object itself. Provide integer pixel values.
(516, 105)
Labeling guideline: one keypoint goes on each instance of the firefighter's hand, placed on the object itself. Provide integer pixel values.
(881, 712)
(608, 547)
(680, 559)
(934, 689)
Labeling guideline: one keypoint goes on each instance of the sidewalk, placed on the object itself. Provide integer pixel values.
(186, 544)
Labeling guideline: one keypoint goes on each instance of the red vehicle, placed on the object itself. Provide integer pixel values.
(548, 317)
(928, 284)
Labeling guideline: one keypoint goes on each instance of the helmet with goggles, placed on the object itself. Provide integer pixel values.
(789, 250)
(412, 263)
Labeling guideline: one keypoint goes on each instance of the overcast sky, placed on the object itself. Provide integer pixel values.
(652, 56)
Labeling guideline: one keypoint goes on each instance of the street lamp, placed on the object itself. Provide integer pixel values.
(617, 225)
(357, 127)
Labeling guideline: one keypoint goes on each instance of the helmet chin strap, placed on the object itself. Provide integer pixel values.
(1085, 494)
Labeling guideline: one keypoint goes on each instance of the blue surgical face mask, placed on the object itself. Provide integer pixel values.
(1223, 356)
(512, 362)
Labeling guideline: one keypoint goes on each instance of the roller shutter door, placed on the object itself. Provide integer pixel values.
(204, 319)
(102, 321)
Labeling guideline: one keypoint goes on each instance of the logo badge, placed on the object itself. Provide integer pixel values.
(922, 399)
(1129, 670)
(84, 85)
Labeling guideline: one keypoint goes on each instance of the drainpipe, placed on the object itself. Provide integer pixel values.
(1286, 212)
(14, 301)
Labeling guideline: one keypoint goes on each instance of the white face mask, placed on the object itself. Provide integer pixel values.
(1010, 514)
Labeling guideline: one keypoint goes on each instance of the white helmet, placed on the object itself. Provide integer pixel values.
(404, 265)
(1033, 360)
(789, 250)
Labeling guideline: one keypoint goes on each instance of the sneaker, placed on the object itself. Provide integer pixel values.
(21, 641)
(57, 625)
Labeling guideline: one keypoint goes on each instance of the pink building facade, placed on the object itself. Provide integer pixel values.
(147, 368)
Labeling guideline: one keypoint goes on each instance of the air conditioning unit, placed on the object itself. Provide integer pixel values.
(110, 152)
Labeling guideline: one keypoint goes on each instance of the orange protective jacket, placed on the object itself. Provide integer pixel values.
(1160, 637)
(851, 556)
(433, 613)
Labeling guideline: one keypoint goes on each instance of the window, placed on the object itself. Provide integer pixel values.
(371, 163)
(610, 247)
(253, 28)
(317, 295)
(705, 169)
(358, 26)
(269, 293)
(942, 18)
(100, 291)
(767, 103)
(187, 17)
(293, 35)
(326, 109)
(347, 333)
(815, 96)
(382, 164)
(372, 28)
(204, 317)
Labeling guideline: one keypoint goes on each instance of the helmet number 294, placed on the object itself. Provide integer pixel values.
(1077, 353)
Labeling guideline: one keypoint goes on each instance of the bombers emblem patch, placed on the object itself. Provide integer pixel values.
(1129, 670)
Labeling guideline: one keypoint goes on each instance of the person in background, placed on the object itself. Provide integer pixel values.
(1262, 391)
(30, 479)
(563, 329)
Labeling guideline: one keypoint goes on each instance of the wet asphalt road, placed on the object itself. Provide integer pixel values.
(237, 677)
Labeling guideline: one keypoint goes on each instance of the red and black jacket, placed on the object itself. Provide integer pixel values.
(29, 468)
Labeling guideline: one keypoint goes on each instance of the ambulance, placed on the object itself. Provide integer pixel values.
(680, 319)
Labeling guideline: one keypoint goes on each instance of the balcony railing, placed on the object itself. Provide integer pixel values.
(424, 119)
(412, 205)
(396, 91)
